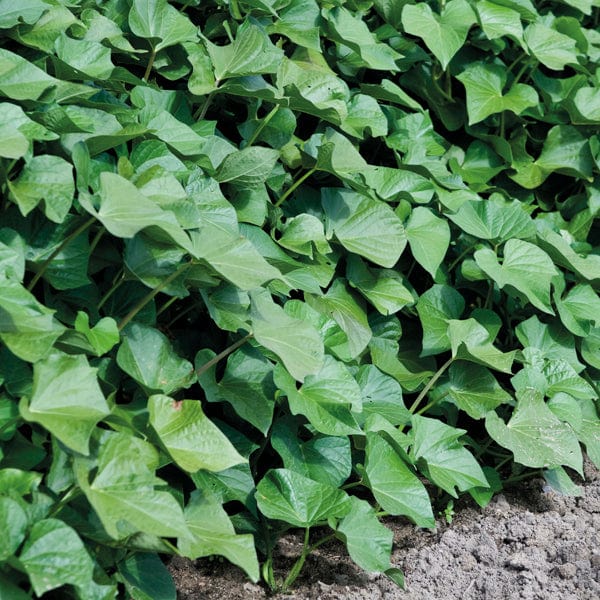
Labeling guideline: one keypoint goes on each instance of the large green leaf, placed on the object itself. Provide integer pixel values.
(428, 237)
(27, 327)
(160, 23)
(147, 356)
(48, 178)
(297, 343)
(553, 49)
(297, 500)
(484, 85)
(248, 167)
(54, 555)
(66, 399)
(364, 226)
(395, 487)
(535, 436)
(145, 576)
(525, 268)
(579, 309)
(251, 53)
(444, 34)
(191, 438)
(212, 533)
(448, 463)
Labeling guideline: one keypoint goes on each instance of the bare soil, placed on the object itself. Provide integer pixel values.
(527, 544)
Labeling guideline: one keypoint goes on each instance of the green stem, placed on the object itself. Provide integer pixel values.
(180, 314)
(117, 281)
(432, 403)
(71, 493)
(295, 570)
(523, 476)
(58, 250)
(521, 72)
(149, 297)
(166, 305)
(502, 123)
(430, 384)
(201, 113)
(262, 125)
(294, 186)
(213, 361)
(354, 484)
(460, 257)
(9, 424)
(150, 64)
(97, 239)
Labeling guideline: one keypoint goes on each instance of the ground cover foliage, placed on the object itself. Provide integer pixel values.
(272, 264)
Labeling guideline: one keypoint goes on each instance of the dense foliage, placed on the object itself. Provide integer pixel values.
(273, 264)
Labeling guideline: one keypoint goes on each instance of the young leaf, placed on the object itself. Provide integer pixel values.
(102, 336)
(428, 237)
(66, 399)
(295, 499)
(189, 436)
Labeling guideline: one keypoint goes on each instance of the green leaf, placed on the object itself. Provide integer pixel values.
(526, 269)
(248, 167)
(190, 437)
(484, 85)
(436, 307)
(66, 399)
(303, 232)
(535, 436)
(148, 356)
(124, 211)
(20, 79)
(553, 49)
(102, 336)
(395, 487)
(247, 385)
(351, 31)
(25, 11)
(579, 310)
(89, 57)
(364, 226)
(326, 459)
(326, 398)
(123, 490)
(251, 53)
(48, 178)
(13, 526)
(54, 555)
(369, 543)
(295, 342)
(589, 430)
(146, 577)
(587, 103)
(471, 341)
(384, 288)
(158, 20)
(290, 497)
(498, 21)
(474, 389)
(428, 237)
(448, 463)
(18, 131)
(212, 533)
(444, 34)
(494, 219)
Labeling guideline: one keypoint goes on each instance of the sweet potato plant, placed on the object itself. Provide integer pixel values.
(280, 264)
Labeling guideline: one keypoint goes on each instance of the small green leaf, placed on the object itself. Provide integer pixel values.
(190, 437)
(579, 310)
(395, 487)
(295, 499)
(248, 167)
(102, 336)
(535, 436)
(13, 526)
(66, 399)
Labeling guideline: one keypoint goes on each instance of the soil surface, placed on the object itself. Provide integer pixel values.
(529, 543)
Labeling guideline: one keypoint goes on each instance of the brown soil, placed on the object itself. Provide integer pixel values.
(527, 544)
